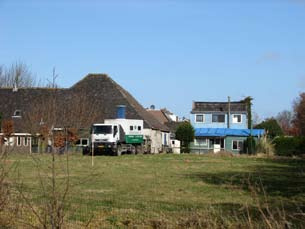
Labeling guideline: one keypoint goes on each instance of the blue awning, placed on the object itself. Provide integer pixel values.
(223, 132)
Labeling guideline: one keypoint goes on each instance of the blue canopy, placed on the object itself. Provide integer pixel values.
(223, 132)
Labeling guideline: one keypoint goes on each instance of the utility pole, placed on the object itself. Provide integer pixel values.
(229, 112)
(92, 154)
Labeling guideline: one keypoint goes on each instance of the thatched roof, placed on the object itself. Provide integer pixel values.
(91, 100)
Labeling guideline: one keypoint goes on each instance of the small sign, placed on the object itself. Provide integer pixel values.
(134, 139)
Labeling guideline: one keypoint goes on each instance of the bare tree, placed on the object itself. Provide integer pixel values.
(4, 190)
(284, 119)
(255, 119)
(51, 83)
(69, 112)
(65, 110)
(41, 118)
(7, 129)
(299, 118)
(2, 76)
(18, 75)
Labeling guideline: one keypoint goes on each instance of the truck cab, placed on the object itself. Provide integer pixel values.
(104, 138)
(105, 133)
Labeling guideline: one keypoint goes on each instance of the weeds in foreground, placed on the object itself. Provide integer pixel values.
(8, 208)
(54, 191)
(54, 210)
(265, 146)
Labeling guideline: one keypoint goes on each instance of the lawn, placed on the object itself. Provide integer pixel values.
(167, 191)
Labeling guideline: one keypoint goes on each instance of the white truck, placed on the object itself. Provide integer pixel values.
(115, 137)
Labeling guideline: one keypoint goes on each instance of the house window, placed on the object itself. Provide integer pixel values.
(218, 118)
(201, 142)
(237, 145)
(84, 142)
(237, 118)
(18, 141)
(17, 114)
(200, 118)
(139, 128)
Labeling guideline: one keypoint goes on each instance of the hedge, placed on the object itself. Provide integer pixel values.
(289, 146)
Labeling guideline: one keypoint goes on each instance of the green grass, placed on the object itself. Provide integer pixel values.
(166, 190)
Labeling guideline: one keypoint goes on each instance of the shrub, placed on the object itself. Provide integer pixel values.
(265, 146)
(250, 145)
(289, 146)
(185, 133)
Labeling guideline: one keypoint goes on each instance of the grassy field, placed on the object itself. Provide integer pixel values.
(168, 191)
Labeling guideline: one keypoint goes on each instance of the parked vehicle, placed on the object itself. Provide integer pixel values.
(116, 137)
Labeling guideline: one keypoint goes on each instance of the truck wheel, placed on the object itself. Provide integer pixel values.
(139, 149)
(133, 150)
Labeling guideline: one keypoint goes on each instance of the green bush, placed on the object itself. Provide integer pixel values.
(289, 146)
(271, 127)
(185, 133)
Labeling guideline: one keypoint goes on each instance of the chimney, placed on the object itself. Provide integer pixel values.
(15, 88)
(121, 112)
(229, 111)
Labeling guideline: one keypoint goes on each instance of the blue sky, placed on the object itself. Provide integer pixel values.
(165, 52)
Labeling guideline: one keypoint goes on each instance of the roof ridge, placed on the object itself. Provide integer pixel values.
(34, 88)
(89, 75)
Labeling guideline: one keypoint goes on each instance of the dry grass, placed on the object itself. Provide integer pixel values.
(172, 191)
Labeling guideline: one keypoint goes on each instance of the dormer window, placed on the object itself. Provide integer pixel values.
(17, 114)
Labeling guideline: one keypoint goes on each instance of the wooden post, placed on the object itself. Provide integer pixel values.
(30, 144)
(92, 154)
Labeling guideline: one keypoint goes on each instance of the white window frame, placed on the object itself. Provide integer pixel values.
(235, 121)
(196, 143)
(238, 141)
(19, 141)
(81, 142)
(17, 114)
(84, 139)
(203, 118)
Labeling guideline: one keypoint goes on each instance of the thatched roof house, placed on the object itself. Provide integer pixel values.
(91, 100)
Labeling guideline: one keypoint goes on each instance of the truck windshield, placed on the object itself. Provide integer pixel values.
(102, 129)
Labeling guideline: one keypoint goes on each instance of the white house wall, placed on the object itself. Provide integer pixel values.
(156, 140)
(22, 147)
